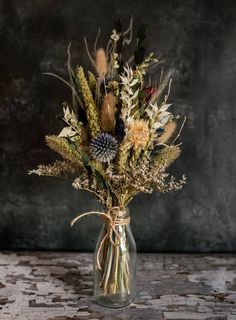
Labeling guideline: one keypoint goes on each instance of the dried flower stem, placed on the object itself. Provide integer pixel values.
(180, 130)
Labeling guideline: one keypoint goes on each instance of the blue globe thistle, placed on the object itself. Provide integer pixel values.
(104, 147)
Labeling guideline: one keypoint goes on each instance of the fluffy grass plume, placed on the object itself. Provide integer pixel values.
(167, 156)
(168, 132)
(61, 146)
(101, 63)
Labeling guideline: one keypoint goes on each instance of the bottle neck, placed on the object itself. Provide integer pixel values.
(118, 212)
(118, 217)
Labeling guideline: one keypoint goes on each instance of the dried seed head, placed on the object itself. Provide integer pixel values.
(101, 62)
(103, 147)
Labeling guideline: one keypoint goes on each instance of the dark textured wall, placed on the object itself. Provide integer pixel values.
(198, 38)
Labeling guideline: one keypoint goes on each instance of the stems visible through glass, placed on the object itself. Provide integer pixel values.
(114, 263)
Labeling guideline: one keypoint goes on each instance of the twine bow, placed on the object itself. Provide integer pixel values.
(113, 218)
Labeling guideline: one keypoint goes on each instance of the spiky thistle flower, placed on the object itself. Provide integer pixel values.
(104, 147)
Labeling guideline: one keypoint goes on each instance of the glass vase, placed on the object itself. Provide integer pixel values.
(115, 261)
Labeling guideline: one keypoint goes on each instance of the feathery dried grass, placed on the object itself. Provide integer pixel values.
(169, 131)
(61, 146)
(90, 106)
(101, 63)
(92, 81)
(123, 155)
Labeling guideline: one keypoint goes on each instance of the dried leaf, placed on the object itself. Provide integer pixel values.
(67, 132)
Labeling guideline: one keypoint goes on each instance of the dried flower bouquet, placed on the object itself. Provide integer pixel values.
(117, 140)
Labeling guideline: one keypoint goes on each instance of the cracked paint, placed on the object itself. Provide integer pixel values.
(58, 286)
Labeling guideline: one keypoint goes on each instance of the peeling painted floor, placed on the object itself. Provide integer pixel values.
(58, 286)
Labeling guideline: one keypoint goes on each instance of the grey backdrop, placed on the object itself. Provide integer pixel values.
(198, 38)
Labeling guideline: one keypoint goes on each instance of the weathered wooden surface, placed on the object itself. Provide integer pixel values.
(58, 286)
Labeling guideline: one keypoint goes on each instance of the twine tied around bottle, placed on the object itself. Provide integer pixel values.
(113, 218)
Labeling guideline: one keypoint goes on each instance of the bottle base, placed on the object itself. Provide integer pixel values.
(114, 300)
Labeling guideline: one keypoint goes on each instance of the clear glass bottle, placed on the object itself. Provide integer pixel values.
(115, 264)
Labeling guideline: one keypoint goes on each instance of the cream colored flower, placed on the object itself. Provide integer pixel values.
(138, 133)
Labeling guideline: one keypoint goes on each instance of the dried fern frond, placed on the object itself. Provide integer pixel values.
(90, 106)
(61, 146)
(169, 130)
(108, 112)
(101, 63)
(167, 156)
(62, 169)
